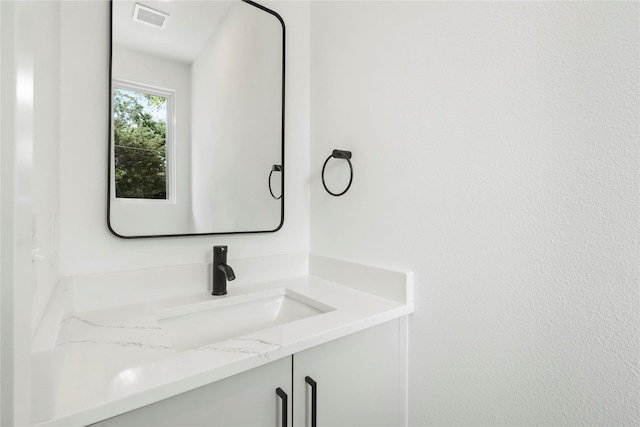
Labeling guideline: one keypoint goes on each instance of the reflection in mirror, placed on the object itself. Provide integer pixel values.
(197, 118)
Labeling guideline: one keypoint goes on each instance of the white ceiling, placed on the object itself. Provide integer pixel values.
(189, 26)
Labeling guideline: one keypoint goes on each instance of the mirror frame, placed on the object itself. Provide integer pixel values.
(110, 138)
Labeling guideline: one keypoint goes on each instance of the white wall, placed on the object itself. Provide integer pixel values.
(46, 154)
(495, 147)
(237, 125)
(134, 218)
(17, 118)
(86, 246)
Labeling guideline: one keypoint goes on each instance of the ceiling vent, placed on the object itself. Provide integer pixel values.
(149, 16)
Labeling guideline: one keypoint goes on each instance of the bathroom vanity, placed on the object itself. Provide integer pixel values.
(297, 338)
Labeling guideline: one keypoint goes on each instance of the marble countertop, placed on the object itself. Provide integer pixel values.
(116, 359)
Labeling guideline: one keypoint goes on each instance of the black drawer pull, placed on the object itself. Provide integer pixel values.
(314, 400)
(283, 396)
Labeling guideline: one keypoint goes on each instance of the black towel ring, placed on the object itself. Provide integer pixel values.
(274, 168)
(338, 154)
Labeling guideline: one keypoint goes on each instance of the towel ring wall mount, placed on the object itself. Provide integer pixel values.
(338, 154)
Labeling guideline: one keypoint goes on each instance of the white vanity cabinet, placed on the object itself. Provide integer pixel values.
(243, 400)
(357, 380)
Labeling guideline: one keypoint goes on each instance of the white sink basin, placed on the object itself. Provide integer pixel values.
(198, 325)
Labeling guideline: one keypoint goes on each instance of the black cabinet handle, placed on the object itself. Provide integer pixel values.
(283, 396)
(314, 400)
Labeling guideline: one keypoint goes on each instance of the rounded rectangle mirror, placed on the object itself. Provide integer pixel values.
(196, 141)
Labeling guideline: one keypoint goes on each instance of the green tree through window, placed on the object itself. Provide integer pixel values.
(140, 144)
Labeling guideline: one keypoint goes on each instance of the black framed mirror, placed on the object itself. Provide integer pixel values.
(196, 141)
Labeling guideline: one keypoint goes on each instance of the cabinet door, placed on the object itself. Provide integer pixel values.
(246, 399)
(357, 380)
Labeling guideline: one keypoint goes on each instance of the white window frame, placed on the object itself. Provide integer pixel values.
(170, 95)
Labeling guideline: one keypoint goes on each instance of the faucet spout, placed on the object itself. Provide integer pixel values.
(228, 271)
(221, 271)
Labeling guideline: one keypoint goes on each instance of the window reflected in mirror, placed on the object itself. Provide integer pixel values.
(141, 138)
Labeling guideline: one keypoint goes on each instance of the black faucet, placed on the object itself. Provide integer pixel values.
(221, 271)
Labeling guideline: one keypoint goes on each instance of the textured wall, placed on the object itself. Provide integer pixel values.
(495, 148)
